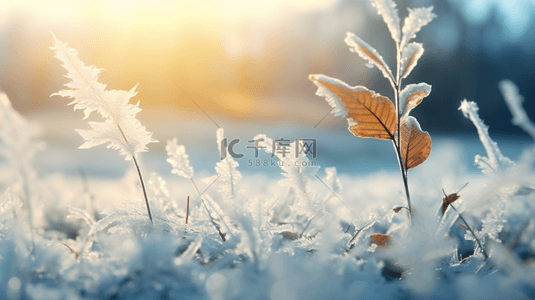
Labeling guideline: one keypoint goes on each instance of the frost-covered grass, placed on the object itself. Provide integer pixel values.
(121, 255)
(308, 233)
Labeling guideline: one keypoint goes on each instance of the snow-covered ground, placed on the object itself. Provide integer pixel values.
(269, 252)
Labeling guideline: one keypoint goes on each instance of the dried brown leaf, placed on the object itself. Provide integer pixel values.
(449, 199)
(369, 114)
(398, 208)
(415, 144)
(289, 235)
(381, 240)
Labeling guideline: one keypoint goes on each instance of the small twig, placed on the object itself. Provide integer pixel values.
(187, 211)
(72, 250)
(471, 231)
(304, 229)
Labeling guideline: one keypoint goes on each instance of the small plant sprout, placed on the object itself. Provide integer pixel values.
(448, 201)
(371, 115)
(120, 129)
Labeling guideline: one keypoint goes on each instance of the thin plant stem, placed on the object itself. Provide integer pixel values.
(405, 180)
(143, 188)
(209, 214)
(471, 231)
(140, 177)
(403, 169)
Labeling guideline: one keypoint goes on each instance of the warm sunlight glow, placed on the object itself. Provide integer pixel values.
(219, 53)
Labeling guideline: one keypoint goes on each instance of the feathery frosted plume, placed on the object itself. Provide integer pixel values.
(369, 54)
(178, 159)
(18, 147)
(387, 8)
(418, 18)
(17, 135)
(514, 101)
(409, 58)
(332, 180)
(495, 162)
(120, 129)
(227, 168)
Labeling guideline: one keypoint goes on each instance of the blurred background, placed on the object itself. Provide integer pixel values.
(245, 64)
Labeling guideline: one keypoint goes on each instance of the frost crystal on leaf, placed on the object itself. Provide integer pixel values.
(495, 161)
(178, 159)
(339, 108)
(369, 114)
(121, 128)
(387, 8)
(368, 53)
(409, 58)
(418, 18)
(410, 97)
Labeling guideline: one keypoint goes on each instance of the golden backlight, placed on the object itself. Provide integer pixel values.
(224, 55)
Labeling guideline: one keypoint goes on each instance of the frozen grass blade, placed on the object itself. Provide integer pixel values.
(514, 101)
(495, 162)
